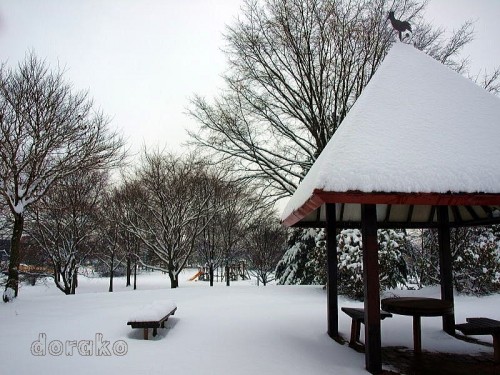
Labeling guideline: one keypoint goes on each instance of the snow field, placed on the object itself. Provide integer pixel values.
(242, 329)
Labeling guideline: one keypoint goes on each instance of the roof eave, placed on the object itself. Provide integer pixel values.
(319, 197)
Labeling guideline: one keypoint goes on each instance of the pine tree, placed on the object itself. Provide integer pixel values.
(393, 270)
(350, 263)
(305, 260)
(477, 263)
(476, 259)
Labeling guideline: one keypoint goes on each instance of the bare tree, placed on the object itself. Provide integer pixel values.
(110, 250)
(128, 200)
(265, 245)
(64, 224)
(240, 208)
(221, 242)
(296, 68)
(174, 211)
(46, 133)
(209, 248)
(489, 81)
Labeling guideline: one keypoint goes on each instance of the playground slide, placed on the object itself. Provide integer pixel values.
(197, 274)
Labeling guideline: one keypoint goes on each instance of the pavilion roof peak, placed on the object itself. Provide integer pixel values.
(418, 127)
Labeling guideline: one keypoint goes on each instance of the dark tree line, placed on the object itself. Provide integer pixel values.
(163, 215)
(186, 211)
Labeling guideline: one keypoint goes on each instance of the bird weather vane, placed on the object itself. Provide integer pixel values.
(400, 26)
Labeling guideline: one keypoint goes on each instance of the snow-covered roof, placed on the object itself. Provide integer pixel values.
(418, 127)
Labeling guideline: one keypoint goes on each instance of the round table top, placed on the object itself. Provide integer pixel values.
(417, 306)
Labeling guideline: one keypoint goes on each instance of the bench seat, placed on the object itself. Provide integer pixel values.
(483, 326)
(153, 316)
(358, 317)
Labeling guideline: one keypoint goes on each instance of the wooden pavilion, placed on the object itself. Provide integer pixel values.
(419, 149)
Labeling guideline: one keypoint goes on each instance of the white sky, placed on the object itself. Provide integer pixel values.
(142, 60)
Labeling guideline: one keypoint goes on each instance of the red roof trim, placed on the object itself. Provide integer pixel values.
(435, 199)
(445, 199)
(309, 206)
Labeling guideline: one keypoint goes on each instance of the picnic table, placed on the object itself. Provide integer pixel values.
(417, 307)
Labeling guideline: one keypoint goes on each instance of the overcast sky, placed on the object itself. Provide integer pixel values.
(142, 60)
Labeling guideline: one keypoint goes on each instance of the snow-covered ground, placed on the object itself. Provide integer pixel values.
(242, 329)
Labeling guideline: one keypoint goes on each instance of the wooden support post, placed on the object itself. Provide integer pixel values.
(373, 350)
(355, 332)
(146, 333)
(417, 335)
(496, 348)
(445, 266)
(331, 250)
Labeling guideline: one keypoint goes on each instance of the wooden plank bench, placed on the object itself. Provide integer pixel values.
(358, 317)
(153, 316)
(483, 326)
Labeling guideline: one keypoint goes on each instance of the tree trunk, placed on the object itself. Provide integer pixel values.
(57, 272)
(14, 260)
(228, 282)
(211, 274)
(129, 270)
(135, 275)
(74, 281)
(174, 281)
(111, 272)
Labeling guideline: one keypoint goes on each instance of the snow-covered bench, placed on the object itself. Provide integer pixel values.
(483, 326)
(153, 316)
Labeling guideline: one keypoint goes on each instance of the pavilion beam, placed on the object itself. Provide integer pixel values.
(373, 346)
(332, 291)
(446, 265)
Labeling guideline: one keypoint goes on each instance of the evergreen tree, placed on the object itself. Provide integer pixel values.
(393, 270)
(476, 259)
(476, 263)
(305, 260)
(350, 263)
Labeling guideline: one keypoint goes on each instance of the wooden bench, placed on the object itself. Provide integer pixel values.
(358, 317)
(483, 326)
(153, 316)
